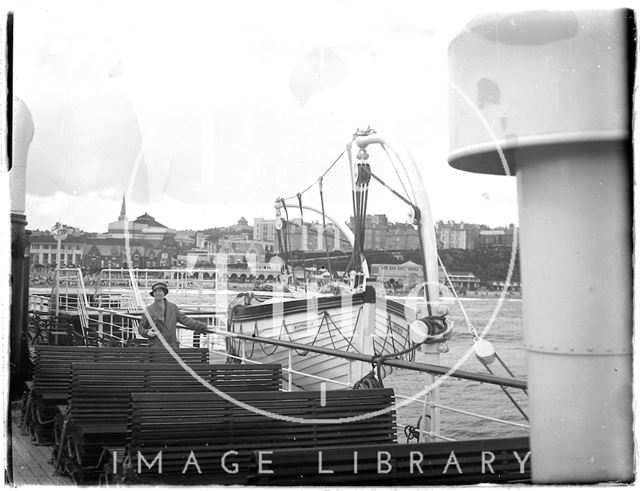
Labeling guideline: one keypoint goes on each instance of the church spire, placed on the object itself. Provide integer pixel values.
(123, 211)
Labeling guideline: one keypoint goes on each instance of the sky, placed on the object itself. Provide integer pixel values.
(203, 112)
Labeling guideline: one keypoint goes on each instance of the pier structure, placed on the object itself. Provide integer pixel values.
(546, 97)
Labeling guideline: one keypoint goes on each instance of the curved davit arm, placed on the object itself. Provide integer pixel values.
(421, 200)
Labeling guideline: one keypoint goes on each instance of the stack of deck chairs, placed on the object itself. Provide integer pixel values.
(45, 403)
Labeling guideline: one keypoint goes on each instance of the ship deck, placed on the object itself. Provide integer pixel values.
(29, 462)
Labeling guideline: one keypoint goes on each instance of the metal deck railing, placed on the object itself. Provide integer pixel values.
(116, 322)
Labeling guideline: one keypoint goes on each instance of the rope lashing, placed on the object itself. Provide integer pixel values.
(437, 327)
(376, 362)
(369, 381)
(413, 432)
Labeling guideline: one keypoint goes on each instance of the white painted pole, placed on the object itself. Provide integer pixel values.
(546, 96)
(58, 279)
(22, 136)
(430, 412)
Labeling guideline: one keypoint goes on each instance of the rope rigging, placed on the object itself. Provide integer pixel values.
(287, 243)
(416, 221)
(323, 174)
(360, 196)
(325, 321)
(303, 243)
(324, 228)
(476, 337)
(361, 175)
(373, 380)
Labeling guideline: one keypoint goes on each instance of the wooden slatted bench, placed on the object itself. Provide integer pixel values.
(459, 462)
(52, 370)
(100, 397)
(52, 378)
(211, 426)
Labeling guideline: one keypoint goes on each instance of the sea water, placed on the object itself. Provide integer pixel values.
(506, 335)
(505, 332)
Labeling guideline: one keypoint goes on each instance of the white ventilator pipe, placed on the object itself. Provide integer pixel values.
(22, 136)
(547, 95)
(23, 129)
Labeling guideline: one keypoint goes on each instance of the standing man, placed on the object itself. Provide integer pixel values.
(165, 315)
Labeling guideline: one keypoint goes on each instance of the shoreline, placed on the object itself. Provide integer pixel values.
(231, 289)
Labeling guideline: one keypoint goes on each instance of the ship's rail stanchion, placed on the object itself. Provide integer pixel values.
(290, 369)
(115, 287)
(38, 303)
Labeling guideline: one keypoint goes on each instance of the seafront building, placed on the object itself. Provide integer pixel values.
(308, 236)
(382, 235)
(150, 245)
(409, 274)
(145, 227)
(248, 248)
(44, 248)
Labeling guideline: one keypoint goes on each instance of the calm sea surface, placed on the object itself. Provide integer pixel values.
(506, 335)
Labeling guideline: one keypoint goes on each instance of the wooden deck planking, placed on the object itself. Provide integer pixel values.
(31, 462)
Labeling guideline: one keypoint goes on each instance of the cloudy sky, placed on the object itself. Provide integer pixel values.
(204, 112)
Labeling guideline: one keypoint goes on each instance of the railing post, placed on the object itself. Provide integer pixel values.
(290, 368)
(432, 356)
